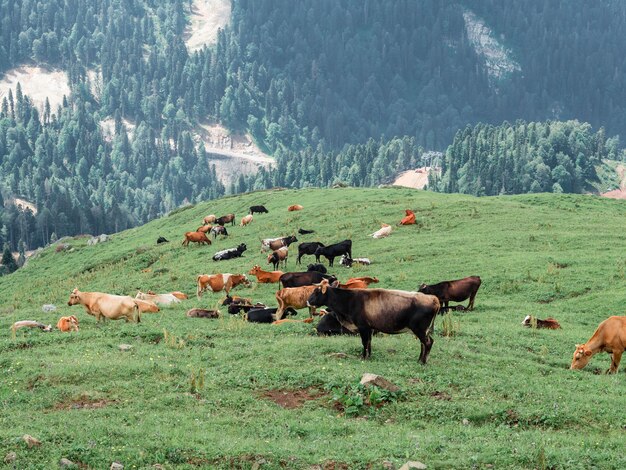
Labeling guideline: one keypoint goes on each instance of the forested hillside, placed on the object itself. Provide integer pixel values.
(337, 91)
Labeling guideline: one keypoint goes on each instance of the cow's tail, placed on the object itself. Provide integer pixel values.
(431, 327)
(198, 289)
(136, 313)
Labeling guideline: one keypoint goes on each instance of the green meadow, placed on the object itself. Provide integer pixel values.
(198, 393)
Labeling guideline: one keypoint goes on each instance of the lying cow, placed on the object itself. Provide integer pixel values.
(145, 306)
(266, 315)
(358, 282)
(320, 268)
(162, 240)
(409, 219)
(348, 262)
(219, 282)
(265, 277)
(457, 290)
(259, 209)
(302, 231)
(329, 325)
(295, 297)
(387, 311)
(196, 237)
(67, 324)
(230, 253)
(610, 337)
(383, 232)
(295, 207)
(30, 324)
(549, 323)
(203, 313)
(161, 299)
(103, 305)
(304, 278)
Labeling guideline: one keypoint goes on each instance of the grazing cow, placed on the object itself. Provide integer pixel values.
(265, 277)
(549, 323)
(302, 231)
(67, 324)
(204, 228)
(610, 337)
(219, 282)
(259, 209)
(103, 305)
(162, 240)
(266, 315)
(348, 262)
(409, 219)
(295, 207)
(161, 299)
(457, 290)
(306, 278)
(308, 248)
(295, 297)
(209, 219)
(223, 220)
(230, 253)
(383, 232)
(146, 306)
(203, 313)
(330, 252)
(387, 311)
(277, 256)
(219, 230)
(320, 268)
(358, 282)
(196, 237)
(330, 326)
(246, 220)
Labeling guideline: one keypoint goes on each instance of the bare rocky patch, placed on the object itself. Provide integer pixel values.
(83, 402)
(206, 18)
(38, 83)
(292, 399)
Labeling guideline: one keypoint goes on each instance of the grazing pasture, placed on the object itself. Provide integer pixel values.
(212, 393)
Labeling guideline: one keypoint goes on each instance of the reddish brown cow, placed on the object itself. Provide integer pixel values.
(265, 277)
(365, 279)
(409, 219)
(610, 337)
(218, 282)
(67, 324)
(358, 282)
(295, 297)
(457, 291)
(204, 228)
(295, 207)
(196, 237)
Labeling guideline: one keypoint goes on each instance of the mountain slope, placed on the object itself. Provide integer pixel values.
(547, 255)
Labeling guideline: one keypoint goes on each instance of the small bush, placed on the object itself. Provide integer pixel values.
(359, 400)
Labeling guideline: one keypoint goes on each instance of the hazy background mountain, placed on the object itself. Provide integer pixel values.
(153, 106)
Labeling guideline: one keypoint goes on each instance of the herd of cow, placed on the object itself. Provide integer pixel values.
(351, 307)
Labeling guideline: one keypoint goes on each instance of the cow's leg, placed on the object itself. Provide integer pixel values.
(615, 358)
(426, 343)
(280, 309)
(366, 339)
(470, 306)
(331, 261)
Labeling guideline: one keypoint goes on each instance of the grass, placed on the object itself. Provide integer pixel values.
(191, 393)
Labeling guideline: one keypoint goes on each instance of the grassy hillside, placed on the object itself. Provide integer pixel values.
(494, 394)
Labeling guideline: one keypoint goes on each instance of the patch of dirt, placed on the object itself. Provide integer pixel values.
(292, 399)
(108, 128)
(83, 403)
(38, 83)
(416, 179)
(206, 18)
(441, 396)
(621, 192)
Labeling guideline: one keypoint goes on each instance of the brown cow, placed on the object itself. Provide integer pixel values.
(265, 277)
(295, 207)
(409, 219)
(246, 220)
(146, 306)
(277, 256)
(610, 337)
(295, 297)
(457, 291)
(358, 282)
(223, 220)
(219, 282)
(209, 219)
(549, 323)
(197, 237)
(365, 279)
(204, 228)
(103, 305)
(203, 313)
(67, 324)
(177, 294)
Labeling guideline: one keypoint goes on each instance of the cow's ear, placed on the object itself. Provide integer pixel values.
(335, 284)
(588, 352)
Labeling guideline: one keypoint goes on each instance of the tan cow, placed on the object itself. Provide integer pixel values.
(219, 282)
(295, 297)
(204, 228)
(145, 306)
(209, 219)
(265, 277)
(295, 207)
(245, 220)
(67, 324)
(610, 337)
(104, 305)
(383, 232)
(161, 299)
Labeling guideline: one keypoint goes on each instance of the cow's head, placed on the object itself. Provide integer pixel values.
(425, 289)
(319, 250)
(74, 297)
(319, 296)
(242, 247)
(255, 270)
(581, 356)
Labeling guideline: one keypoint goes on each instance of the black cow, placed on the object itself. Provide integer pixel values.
(330, 326)
(266, 315)
(302, 231)
(304, 278)
(308, 248)
(237, 307)
(259, 209)
(387, 311)
(162, 240)
(320, 268)
(330, 252)
(219, 230)
(457, 290)
(230, 253)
